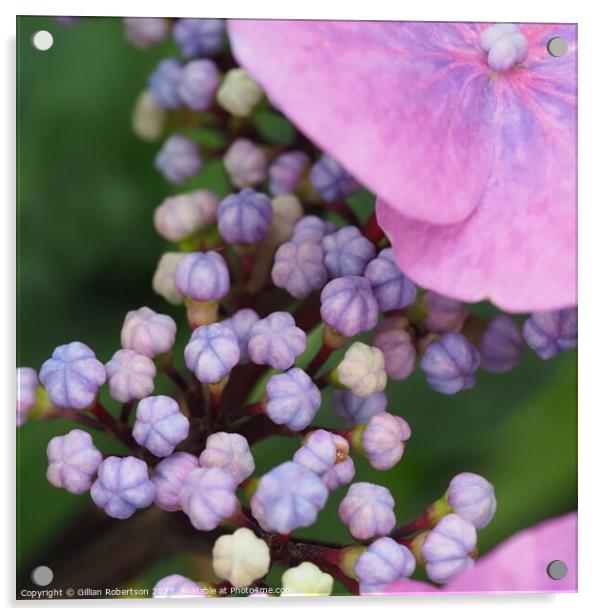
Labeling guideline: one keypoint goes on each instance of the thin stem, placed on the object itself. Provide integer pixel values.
(119, 430)
(372, 230)
(319, 360)
(77, 417)
(126, 410)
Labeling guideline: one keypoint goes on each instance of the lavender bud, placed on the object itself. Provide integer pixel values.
(286, 172)
(147, 332)
(390, 287)
(347, 252)
(367, 510)
(239, 93)
(131, 375)
(340, 474)
(349, 306)
(240, 323)
(384, 561)
(212, 352)
(245, 163)
(331, 180)
(148, 117)
(312, 229)
(145, 32)
(472, 497)
(244, 217)
(276, 341)
(384, 440)
(293, 399)
(501, 345)
(199, 37)
(27, 384)
(164, 283)
(164, 84)
(177, 587)
(179, 159)
(169, 477)
(443, 314)
(198, 83)
(288, 497)
(549, 333)
(450, 364)
(72, 376)
(122, 487)
(207, 497)
(363, 370)
(299, 269)
(354, 410)
(72, 461)
(202, 276)
(241, 558)
(397, 344)
(231, 453)
(182, 215)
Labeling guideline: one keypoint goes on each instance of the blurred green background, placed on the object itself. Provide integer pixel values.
(86, 254)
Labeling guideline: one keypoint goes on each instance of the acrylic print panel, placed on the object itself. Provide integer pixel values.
(297, 308)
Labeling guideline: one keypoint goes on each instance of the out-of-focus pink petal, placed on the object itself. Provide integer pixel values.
(517, 565)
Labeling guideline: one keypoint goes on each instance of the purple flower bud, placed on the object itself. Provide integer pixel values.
(293, 399)
(160, 425)
(384, 561)
(27, 383)
(177, 587)
(312, 229)
(202, 276)
(288, 497)
(391, 288)
(299, 268)
(131, 375)
(72, 461)
(472, 497)
(245, 163)
(443, 314)
(72, 376)
(367, 510)
(339, 475)
(182, 215)
(450, 364)
(354, 410)
(122, 487)
(208, 497)
(384, 440)
(145, 32)
(164, 84)
(212, 352)
(198, 83)
(199, 37)
(347, 252)
(179, 159)
(276, 341)
(286, 172)
(349, 306)
(229, 452)
(169, 477)
(331, 180)
(244, 217)
(549, 333)
(446, 549)
(240, 323)
(147, 332)
(501, 345)
(397, 345)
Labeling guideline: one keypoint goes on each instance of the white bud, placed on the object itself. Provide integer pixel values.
(238, 93)
(182, 215)
(286, 212)
(164, 276)
(363, 370)
(306, 579)
(241, 558)
(148, 118)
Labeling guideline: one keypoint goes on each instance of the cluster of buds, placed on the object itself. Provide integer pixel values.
(260, 272)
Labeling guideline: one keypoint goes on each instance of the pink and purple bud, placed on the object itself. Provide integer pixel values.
(244, 217)
(212, 352)
(367, 510)
(331, 179)
(72, 461)
(384, 561)
(448, 548)
(383, 440)
(208, 497)
(347, 252)
(130, 375)
(299, 268)
(230, 452)
(27, 384)
(288, 497)
(179, 159)
(160, 425)
(349, 306)
(202, 276)
(145, 32)
(169, 477)
(450, 364)
(355, 410)
(501, 345)
(122, 487)
(472, 497)
(286, 172)
(276, 341)
(391, 288)
(198, 83)
(312, 229)
(199, 37)
(177, 587)
(292, 399)
(147, 332)
(246, 163)
(240, 323)
(164, 83)
(443, 314)
(394, 339)
(549, 333)
(182, 215)
(72, 376)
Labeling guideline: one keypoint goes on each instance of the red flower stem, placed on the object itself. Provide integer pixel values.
(194, 400)
(319, 360)
(77, 417)
(345, 212)
(119, 430)
(422, 522)
(372, 230)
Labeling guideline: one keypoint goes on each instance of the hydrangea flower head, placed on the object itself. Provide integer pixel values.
(27, 383)
(240, 323)
(229, 451)
(212, 352)
(347, 252)
(179, 159)
(472, 497)
(245, 217)
(392, 337)
(246, 163)
(391, 288)
(331, 179)
(384, 440)
(164, 283)
(501, 345)
(197, 85)
(276, 341)
(72, 461)
(122, 486)
(549, 333)
(72, 376)
(367, 510)
(286, 172)
(362, 370)
(384, 561)
(169, 476)
(299, 268)
(164, 83)
(355, 410)
(147, 332)
(305, 580)
(182, 215)
(160, 425)
(131, 375)
(199, 37)
(202, 276)
(241, 558)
